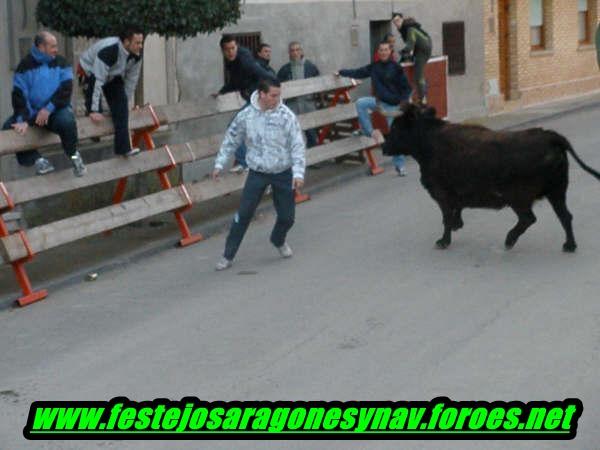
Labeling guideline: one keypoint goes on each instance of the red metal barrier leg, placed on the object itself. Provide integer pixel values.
(187, 237)
(299, 197)
(29, 296)
(372, 161)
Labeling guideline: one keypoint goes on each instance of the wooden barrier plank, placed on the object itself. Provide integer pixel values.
(78, 227)
(46, 237)
(11, 142)
(338, 148)
(32, 188)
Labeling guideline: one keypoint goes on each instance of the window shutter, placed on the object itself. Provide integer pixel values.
(453, 36)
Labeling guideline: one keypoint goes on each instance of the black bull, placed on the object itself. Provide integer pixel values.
(470, 166)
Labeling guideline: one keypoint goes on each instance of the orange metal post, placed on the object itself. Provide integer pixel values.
(29, 295)
(146, 136)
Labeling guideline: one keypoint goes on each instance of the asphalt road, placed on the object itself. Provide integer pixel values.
(367, 309)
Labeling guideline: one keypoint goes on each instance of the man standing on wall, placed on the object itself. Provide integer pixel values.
(418, 47)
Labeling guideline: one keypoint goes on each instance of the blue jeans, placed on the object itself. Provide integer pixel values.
(283, 199)
(366, 104)
(61, 122)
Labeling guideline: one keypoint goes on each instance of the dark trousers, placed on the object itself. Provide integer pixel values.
(61, 122)
(421, 58)
(312, 137)
(114, 91)
(283, 199)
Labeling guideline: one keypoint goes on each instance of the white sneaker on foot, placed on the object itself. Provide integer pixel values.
(401, 171)
(133, 151)
(285, 251)
(79, 168)
(223, 264)
(43, 166)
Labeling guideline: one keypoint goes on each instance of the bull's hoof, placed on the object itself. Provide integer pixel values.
(508, 246)
(442, 244)
(569, 247)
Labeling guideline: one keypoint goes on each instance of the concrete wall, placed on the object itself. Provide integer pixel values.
(324, 28)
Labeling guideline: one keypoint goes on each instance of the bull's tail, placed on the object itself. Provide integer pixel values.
(566, 145)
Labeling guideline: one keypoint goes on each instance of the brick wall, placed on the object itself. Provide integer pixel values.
(563, 68)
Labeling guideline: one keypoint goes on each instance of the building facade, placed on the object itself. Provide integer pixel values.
(539, 50)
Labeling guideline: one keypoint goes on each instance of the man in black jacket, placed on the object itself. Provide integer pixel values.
(263, 56)
(391, 89)
(243, 73)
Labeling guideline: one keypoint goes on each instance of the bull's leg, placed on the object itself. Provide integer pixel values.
(559, 204)
(458, 222)
(526, 219)
(447, 206)
(448, 221)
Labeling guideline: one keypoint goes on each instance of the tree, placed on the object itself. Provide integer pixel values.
(169, 18)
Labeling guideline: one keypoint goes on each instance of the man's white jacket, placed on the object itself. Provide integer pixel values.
(273, 139)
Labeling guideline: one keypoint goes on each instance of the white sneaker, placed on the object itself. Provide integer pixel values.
(132, 152)
(43, 166)
(401, 171)
(238, 168)
(79, 168)
(285, 251)
(223, 264)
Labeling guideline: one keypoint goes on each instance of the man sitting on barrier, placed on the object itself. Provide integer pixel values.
(391, 89)
(112, 66)
(42, 88)
(243, 74)
(276, 157)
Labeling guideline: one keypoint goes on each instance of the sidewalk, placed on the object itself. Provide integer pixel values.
(71, 263)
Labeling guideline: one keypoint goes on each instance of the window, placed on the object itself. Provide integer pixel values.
(583, 15)
(536, 24)
(249, 40)
(453, 37)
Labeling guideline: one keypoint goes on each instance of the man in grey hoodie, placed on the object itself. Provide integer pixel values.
(275, 156)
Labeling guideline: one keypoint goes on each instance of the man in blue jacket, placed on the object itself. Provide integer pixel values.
(391, 89)
(42, 88)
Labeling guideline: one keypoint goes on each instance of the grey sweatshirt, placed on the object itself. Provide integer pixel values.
(106, 60)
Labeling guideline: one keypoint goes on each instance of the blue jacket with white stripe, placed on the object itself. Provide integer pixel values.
(41, 81)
